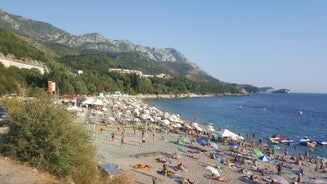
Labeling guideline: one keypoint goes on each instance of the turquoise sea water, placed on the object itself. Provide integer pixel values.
(265, 114)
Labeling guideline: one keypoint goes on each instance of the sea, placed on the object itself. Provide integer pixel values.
(293, 115)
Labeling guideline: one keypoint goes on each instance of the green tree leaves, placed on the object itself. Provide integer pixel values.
(44, 135)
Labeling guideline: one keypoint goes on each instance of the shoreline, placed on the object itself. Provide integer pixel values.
(190, 95)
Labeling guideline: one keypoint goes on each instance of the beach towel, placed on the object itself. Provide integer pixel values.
(111, 169)
(142, 167)
(199, 141)
(170, 173)
(177, 169)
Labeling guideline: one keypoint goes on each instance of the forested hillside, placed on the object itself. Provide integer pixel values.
(96, 78)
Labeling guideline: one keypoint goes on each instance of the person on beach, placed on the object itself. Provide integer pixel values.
(306, 154)
(174, 156)
(122, 140)
(299, 180)
(124, 133)
(134, 129)
(112, 136)
(143, 137)
(301, 171)
(219, 178)
(180, 166)
(153, 137)
(164, 171)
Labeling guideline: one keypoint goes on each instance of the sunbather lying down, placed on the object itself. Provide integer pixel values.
(192, 156)
(219, 178)
(188, 181)
(161, 160)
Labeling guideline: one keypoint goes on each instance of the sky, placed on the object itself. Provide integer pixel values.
(277, 43)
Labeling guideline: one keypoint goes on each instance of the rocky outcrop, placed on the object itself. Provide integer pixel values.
(45, 32)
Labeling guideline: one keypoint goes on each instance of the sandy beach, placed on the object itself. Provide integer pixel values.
(237, 167)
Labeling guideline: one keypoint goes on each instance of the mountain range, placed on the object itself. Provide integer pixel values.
(45, 32)
(52, 36)
(65, 47)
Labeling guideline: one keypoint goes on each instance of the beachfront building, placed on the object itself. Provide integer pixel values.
(126, 71)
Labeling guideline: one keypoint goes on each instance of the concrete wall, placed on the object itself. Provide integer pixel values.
(8, 63)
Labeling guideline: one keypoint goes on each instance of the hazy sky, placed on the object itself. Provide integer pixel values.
(278, 43)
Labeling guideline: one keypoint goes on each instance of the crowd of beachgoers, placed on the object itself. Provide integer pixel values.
(161, 147)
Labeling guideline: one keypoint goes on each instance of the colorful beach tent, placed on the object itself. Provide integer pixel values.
(265, 158)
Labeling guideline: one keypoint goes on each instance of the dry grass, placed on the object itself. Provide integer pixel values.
(124, 178)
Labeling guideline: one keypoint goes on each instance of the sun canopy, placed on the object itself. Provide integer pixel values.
(92, 101)
(231, 135)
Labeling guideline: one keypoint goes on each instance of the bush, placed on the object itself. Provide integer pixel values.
(43, 135)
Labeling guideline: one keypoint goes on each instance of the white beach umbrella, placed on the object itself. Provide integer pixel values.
(111, 119)
(194, 124)
(198, 128)
(178, 125)
(210, 128)
(166, 122)
(151, 119)
(189, 126)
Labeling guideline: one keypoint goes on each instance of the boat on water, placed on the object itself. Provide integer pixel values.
(322, 142)
(304, 139)
(299, 112)
(277, 138)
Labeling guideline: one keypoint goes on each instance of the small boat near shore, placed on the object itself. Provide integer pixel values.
(277, 138)
(322, 142)
(304, 139)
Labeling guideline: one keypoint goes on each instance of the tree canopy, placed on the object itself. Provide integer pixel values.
(45, 136)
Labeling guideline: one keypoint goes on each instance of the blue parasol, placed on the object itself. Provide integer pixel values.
(275, 147)
(265, 158)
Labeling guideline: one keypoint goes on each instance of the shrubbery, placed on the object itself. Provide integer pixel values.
(43, 135)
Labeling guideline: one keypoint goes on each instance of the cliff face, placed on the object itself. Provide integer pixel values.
(45, 32)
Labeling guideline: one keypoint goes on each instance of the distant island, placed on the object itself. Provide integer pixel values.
(282, 91)
(266, 90)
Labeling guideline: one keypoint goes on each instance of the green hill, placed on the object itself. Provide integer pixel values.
(63, 60)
